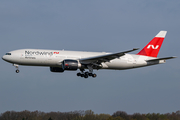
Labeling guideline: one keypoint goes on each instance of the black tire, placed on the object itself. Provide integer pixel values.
(86, 73)
(82, 75)
(78, 74)
(90, 74)
(17, 71)
(94, 75)
(85, 76)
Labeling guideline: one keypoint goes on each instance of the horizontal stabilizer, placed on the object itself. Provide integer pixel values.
(161, 59)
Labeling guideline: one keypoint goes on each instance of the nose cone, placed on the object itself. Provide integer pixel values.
(3, 57)
(6, 58)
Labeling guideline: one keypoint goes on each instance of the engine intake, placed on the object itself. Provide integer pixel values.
(70, 64)
(66, 65)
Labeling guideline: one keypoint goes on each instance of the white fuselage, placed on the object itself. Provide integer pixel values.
(54, 58)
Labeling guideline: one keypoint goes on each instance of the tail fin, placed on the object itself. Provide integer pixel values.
(153, 47)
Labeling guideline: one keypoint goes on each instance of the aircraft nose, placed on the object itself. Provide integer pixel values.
(3, 58)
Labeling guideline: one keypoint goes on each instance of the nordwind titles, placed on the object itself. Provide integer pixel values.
(38, 53)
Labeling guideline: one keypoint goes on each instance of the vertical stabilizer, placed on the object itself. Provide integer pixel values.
(153, 47)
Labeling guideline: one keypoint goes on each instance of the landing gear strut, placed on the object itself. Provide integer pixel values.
(87, 74)
(17, 68)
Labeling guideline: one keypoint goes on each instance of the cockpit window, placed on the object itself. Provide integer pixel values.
(8, 53)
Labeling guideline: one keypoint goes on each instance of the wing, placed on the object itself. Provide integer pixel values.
(97, 60)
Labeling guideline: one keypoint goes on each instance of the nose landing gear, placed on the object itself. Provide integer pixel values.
(17, 68)
(17, 71)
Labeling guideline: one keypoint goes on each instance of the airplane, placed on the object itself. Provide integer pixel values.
(61, 60)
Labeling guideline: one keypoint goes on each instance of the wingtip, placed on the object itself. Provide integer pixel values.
(135, 48)
(174, 56)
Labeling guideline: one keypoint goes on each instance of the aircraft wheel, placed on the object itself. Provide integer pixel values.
(82, 75)
(85, 76)
(17, 71)
(94, 75)
(90, 74)
(78, 74)
(86, 73)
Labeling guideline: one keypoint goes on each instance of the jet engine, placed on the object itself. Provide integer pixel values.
(70, 64)
(56, 69)
(66, 65)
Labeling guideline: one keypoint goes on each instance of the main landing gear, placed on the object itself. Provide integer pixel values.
(87, 74)
(17, 68)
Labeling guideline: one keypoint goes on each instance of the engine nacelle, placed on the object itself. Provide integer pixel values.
(70, 64)
(66, 65)
(56, 69)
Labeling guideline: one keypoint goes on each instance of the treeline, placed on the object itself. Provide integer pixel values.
(86, 115)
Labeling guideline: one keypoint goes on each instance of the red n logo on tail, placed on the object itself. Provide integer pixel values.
(153, 47)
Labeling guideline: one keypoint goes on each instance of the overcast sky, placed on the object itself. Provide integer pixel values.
(98, 26)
